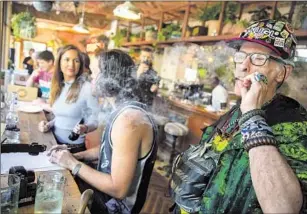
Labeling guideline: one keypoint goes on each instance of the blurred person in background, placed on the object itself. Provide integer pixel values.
(219, 95)
(147, 77)
(28, 62)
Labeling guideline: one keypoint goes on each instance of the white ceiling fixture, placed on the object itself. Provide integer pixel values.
(127, 11)
(81, 27)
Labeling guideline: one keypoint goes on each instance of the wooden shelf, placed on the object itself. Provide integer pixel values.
(300, 34)
(197, 39)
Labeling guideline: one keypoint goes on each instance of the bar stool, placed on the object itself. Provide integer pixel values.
(160, 121)
(173, 130)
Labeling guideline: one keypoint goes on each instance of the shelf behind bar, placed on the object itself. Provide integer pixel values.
(301, 34)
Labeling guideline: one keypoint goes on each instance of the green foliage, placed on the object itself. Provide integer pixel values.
(170, 31)
(231, 12)
(209, 12)
(23, 25)
(150, 28)
(261, 12)
(134, 37)
(244, 23)
(2, 75)
(224, 73)
(120, 37)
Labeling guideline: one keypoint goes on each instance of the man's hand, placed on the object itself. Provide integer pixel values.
(43, 126)
(253, 93)
(63, 158)
(142, 68)
(57, 148)
(154, 88)
(35, 74)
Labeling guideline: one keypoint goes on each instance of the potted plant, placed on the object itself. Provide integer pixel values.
(240, 26)
(170, 31)
(230, 17)
(120, 37)
(135, 37)
(210, 15)
(150, 33)
(261, 12)
(24, 25)
(300, 17)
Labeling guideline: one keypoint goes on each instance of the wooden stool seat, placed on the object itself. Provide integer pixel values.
(160, 120)
(176, 129)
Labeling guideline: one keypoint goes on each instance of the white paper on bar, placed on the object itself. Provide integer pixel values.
(37, 163)
(2, 128)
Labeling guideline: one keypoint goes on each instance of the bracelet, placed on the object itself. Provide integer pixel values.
(246, 116)
(253, 120)
(259, 141)
(76, 169)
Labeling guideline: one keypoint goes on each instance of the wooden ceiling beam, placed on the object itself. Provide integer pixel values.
(174, 15)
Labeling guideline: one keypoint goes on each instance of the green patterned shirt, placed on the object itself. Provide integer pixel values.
(230, 188)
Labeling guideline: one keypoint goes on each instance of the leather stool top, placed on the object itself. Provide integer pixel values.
(176, 129)
(160, 120)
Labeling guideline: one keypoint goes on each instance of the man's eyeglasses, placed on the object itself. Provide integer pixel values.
(257, 59)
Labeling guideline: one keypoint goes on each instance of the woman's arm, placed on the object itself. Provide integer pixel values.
(32, 79)
(93, 106)
(91, 154)
(126, 149)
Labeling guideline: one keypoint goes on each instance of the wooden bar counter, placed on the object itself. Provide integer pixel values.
(197, 118)
(29, 133)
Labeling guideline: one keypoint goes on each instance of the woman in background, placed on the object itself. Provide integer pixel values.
(71, 99)
(128, 151)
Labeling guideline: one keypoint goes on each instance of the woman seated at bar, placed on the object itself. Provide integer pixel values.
(128, 151)
(71, 100)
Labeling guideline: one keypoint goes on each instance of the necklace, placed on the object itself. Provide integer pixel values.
(269, 102)
(234, 125)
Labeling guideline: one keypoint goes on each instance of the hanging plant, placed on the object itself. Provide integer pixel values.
(211, 12)
(260, 13)
(24, 25)
(171, 31)
(231, 12)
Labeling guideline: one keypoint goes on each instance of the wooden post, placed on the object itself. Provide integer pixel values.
(6, 15)
(224, 4)
(161, 21)
(143, 29)
(291, 12)
(241, 11)
(128, 31)
(185, 21)
(204, 21)
(273, 10)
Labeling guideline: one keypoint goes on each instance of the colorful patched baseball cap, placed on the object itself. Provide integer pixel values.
(274, 34)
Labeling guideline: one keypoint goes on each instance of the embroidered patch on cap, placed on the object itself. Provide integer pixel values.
(277, 35)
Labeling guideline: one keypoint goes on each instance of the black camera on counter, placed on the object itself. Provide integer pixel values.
(27, 189)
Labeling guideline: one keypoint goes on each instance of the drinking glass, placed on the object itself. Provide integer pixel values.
(9, 193)
(49, 193)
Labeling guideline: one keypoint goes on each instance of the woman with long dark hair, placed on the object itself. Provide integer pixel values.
(128, 151)
(71, 99)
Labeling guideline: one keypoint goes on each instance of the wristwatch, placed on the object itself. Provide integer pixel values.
(76, 169)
